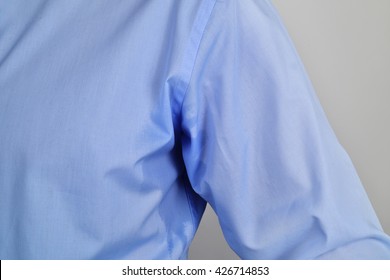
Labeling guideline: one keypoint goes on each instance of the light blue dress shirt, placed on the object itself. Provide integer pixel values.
(119, 120)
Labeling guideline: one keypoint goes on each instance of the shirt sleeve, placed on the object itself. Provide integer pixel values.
(258, 147)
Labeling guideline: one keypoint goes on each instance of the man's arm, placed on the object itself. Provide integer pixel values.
(258, 147)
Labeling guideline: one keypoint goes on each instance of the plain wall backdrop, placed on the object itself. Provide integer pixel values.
(345, 47)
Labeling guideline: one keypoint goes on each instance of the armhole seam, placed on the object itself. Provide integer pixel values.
(191, 51)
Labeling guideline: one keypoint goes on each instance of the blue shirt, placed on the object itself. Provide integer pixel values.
(119, 121)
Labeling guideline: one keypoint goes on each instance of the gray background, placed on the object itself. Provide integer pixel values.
(345, 47)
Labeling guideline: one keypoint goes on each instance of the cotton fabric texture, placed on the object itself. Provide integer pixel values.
(119, 120)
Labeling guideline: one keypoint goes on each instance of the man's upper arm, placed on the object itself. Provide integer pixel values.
(258, 147)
